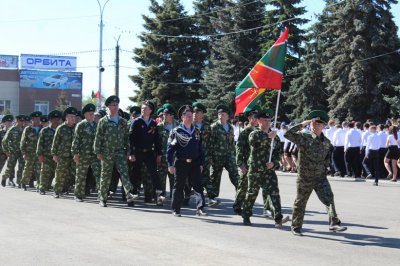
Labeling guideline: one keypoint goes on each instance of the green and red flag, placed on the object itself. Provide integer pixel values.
(267, 74)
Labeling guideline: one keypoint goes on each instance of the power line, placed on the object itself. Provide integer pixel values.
(46, 19)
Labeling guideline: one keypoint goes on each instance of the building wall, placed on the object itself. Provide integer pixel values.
(9, 89)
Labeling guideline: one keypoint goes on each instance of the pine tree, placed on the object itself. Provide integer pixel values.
(289, 12)
(232, 55)
(362, 85)
(169, 65)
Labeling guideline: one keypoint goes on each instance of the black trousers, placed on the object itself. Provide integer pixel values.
(382, 154)
(191, 171)
(372, 165)
(149, 159)
(362, 156)
(353, 165)
(338, 160)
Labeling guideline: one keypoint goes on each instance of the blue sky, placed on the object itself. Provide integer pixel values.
(59, 26)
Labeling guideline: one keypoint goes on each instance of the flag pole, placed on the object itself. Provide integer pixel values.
(275, 121)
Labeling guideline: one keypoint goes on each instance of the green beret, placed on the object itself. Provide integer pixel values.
(134, 110)
(78, 113)
(90, 107)
(55, 114)
(112, 99)
(168, 109)
(36, 114)
(198, 106)
(44, 119)
(252, 111)
(184, 109)
(27, 118)
(266, 113)
(221, 108)
(160, 111)
(7, 118)
(319, 116)
(20, 117)
(70, 111)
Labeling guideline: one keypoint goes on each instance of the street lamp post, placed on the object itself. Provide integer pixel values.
(101, 69)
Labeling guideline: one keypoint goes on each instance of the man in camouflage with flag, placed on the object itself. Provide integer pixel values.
(262, 172)
(28, 147)
(43, 151)
(222, 154)
(6, 124)
(82, 151)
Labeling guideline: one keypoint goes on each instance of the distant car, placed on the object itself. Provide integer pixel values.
(55, 81)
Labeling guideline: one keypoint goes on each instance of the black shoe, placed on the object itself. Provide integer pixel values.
(237, 211)
(337, 228)
(375, 184)
(3, 183)
(337, 174)
(296, 232)
(56, 195)
(246, 221)
(176, 214)
(78, 199)
(185, 202)
(103, 203)
(42, 192)
(200, 212)
(23, 186)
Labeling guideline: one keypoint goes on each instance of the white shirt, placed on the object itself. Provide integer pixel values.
(364, 137)
(329, 133)
(281, 133)
(339, 137)
(382, 139)
(352, 139)
(391, 141)
(236, 132)
(373, 143)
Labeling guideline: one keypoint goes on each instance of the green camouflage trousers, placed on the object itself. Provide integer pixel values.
(162, 170)
(214, 182)
(241, 194)
(82, 169)
(268, 181)
(3, 160)
(47, 171)
(65, 175)
(305, 186)
(107, 165)
(11, 163)
(206, 173)
(31, 170)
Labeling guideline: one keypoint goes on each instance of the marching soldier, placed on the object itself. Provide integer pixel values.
(262, 172)
(11, 148)
(313, 148)
(111, 145)
(185, 158)
(222, 154)
(61, 151)
(43, 151)
(82, 150)
(7, 123)
(28, 147)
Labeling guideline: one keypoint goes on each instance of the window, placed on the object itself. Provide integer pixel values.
(5, 105)
(42, 106)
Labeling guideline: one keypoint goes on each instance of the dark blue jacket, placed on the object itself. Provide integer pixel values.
(143, 136)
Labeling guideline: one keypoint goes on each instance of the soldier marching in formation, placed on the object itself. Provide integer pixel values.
(114, 145)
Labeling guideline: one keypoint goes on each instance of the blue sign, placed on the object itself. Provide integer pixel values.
(50, 80)
(48, 62)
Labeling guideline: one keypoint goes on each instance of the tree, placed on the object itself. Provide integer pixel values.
(171, 67)
(62, 101)
(93, 100)
(362, 83)
(232, 55)
(290, 13)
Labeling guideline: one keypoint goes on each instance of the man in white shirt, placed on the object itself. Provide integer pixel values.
(329, 134)
(338, 149)
(352, 148)
(382, 149)
(364, 137)
(371, 160)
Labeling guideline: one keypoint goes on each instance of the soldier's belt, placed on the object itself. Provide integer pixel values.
(186, 160)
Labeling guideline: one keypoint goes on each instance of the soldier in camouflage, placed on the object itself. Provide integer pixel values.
(82, 150)
(61, 151)
(43, 151)
(11, 148)
(44, 121)
(111, 145)
(262, 169)
(313, 161)
(222, 154)
(6, 121)
(28, 147)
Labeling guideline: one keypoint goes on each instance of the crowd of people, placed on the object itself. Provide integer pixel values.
(83, 152)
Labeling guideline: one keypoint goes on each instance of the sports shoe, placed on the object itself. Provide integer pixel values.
(56, 195)
(131, 197)
(11, 183)
(200, 212)
(296, 232)
(246, 221)
(213, 202)
(176, 214)
(284, 220)
(42, 192)
(103, 203)
(337, 228)
(160, 200)
(78, 199)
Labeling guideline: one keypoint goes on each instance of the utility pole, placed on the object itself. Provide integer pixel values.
(117, 67)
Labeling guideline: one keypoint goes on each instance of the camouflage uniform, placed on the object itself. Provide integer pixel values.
(65, 170)
(112, 141)
(3, 156)
(242, 157)
(313, 161)
(10, 145)
(28, 147)
(48, 166)
(260, 176)
(222, 154)
(82, 145)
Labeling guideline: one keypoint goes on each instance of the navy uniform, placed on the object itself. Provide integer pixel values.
(185, 153)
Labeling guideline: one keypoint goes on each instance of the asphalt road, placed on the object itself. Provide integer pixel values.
(41, 230)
